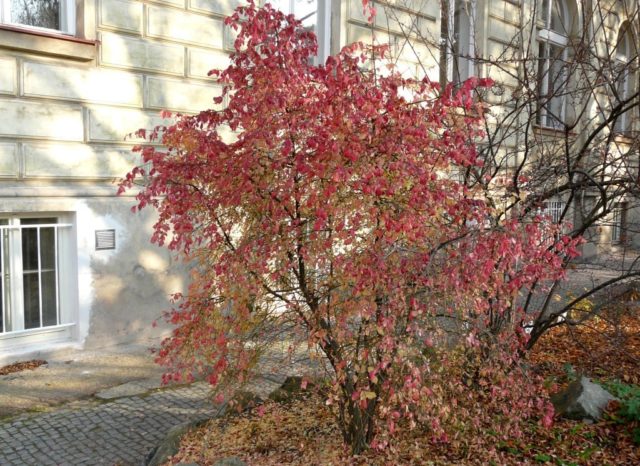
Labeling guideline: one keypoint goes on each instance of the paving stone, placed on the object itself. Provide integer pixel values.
(121, 431)
(121, 427)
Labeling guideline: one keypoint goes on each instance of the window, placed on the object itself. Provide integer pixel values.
(554, 19)
(619, 225)
(315, 15)
(464, 39)
(304, 10)
(32, 285)
(626, 58)
(60, 28)
(554, 210)
(58, 15)
(457, 40)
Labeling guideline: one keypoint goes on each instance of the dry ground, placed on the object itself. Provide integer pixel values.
(303, 432)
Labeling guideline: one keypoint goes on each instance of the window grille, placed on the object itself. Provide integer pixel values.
(29, 266)
(554, 209)
(618, 225)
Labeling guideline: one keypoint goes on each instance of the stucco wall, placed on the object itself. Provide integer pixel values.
(68, 110)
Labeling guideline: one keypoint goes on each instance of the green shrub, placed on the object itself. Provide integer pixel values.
(629, 410)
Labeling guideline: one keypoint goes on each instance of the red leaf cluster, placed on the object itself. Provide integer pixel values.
(335, 215)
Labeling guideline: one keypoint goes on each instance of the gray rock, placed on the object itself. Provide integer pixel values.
(171, 443)
(244, 401)
(230, 461)
(582, 400)
(290, 388)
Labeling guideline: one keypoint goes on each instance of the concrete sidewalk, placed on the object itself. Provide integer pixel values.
(75, 374)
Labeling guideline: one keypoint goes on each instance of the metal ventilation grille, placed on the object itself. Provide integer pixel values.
(105, 239)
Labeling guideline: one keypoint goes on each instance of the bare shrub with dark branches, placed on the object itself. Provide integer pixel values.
(562, 131)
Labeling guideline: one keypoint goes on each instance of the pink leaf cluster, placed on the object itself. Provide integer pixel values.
(335, 215)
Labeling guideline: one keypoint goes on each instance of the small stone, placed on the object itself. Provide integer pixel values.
(171, 443)
(291, 387)
(582, 400)
(169, 446)
(243, 400)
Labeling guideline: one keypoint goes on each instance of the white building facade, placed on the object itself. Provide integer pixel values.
(77, 77)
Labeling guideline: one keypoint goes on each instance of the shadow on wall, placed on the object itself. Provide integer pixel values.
(132, 284)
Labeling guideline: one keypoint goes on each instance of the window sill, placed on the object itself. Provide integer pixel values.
(551, 131)
(620, 245)
(46, 43)
(626, 137)
(36, 337)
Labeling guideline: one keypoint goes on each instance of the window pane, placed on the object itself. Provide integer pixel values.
(36, 282)
(47, 249)
(543, 82)
(623, 87)
(48, 276)
(282, 5)
(619, 223)
(625, 77)
(557, 68)
(542, 64)
(49, 302)
(554, 82)
(30, 250)
(4, 280)
(2, 255)
(557, 18)
(31, 300)
(543, 12)
(305, 10)
(40, 13)
(554, 209)
(462, 46)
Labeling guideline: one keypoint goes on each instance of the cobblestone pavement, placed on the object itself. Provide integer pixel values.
(120, 432)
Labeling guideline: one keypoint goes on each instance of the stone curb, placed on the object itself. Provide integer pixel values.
(246, 399)
(171, 443)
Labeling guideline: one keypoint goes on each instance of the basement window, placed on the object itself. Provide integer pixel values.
(33, 286)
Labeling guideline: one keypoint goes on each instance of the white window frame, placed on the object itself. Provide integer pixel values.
(16, 337)
(67, 17)
(548, 38)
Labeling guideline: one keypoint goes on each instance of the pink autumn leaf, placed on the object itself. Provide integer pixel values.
(329, 223)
